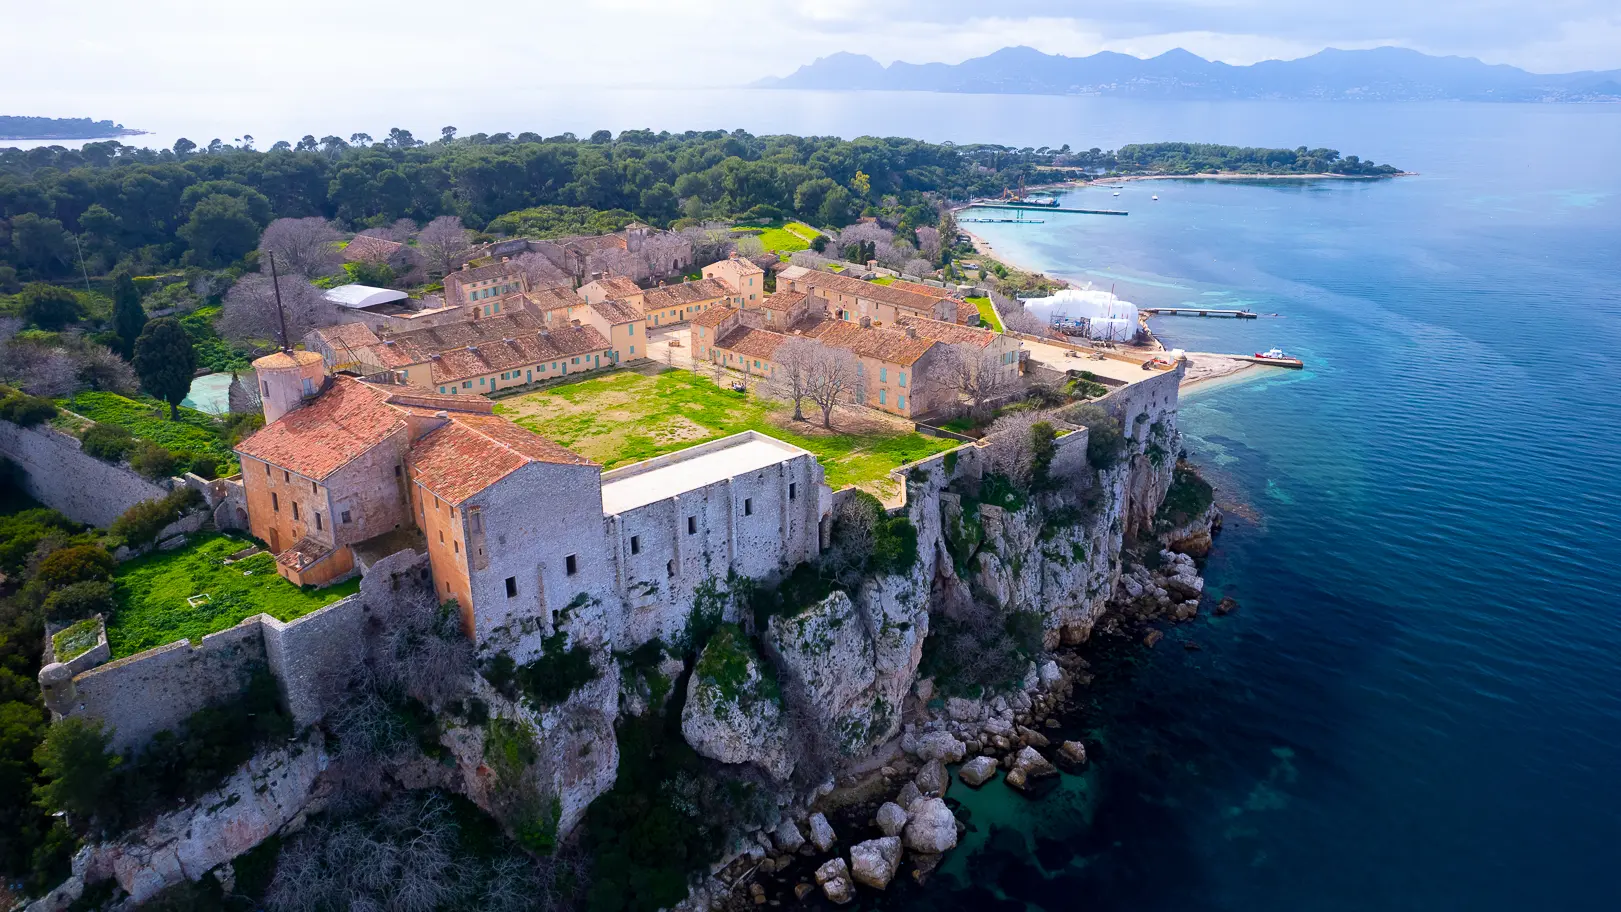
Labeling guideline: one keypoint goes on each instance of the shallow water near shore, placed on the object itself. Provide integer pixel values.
(1418, 705)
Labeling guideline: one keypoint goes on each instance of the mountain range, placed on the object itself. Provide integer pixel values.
(1377, 74)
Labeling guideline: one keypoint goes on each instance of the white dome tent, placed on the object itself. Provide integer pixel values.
(1099, 314)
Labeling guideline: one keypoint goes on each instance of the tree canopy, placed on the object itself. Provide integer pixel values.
(165, 361)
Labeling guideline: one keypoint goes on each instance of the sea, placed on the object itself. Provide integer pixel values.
(1418, 704)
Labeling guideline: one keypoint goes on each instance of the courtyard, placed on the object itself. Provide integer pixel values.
(635, 414)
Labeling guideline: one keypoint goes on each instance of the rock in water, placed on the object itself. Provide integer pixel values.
(1227, 605)
(834, 876)
(1153, 636)
(1072, 752)
(821, 833)
(1034, 764)
(931, 827)
(874, 862)
(932, 779)
(1032, 737)
(1015, 779)
(977, 771)
(909, 794)
(788, 837)
(940, 746)
(891, 819)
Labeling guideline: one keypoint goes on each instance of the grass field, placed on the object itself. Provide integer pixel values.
(628, 416)
(987, 313)
(194, 434)
(151, 594)
(884, 280)
(790, 238)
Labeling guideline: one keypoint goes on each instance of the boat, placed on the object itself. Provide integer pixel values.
(1117, 193)
(1277, 356)
(1156, 196)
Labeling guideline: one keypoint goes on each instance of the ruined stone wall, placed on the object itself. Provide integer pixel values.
(62, 477)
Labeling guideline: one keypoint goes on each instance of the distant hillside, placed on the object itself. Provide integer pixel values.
(1380, 74)
(61, 128)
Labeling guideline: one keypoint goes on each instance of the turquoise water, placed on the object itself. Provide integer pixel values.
(1418, 705)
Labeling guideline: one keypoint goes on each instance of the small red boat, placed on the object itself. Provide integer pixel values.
(1277, 356)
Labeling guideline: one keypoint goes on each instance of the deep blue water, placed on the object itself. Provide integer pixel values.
(1419, 704)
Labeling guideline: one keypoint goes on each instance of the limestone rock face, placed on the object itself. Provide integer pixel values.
(873, 862)
(931, 827)
(733, 712)
(891, 818)
(834, 878)
(821, 833)
(827, 654)
(977, 772)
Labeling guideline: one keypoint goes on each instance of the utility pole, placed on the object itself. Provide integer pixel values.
(82, 270)
(281, 314)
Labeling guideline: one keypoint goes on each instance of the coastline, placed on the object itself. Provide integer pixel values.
(1218, 176)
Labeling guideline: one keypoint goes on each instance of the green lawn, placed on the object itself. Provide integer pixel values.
(151, 593)
(883, 280)
(627, 416)
(790, 238)
(987, 313)
(194, 434)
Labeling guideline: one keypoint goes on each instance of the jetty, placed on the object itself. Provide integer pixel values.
(1047, 209)
(1002, 221)
(1201, 312)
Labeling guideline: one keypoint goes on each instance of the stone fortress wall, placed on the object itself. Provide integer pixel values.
(66, 479)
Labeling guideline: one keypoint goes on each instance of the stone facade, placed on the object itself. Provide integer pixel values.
(62, 477)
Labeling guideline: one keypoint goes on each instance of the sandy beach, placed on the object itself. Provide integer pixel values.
(1204, 367)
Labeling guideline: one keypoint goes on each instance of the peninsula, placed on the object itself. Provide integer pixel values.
(12, 127)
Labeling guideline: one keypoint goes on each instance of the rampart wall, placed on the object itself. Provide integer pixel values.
(66, 479)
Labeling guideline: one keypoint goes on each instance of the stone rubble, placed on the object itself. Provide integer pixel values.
(834, 879)
(874, 862)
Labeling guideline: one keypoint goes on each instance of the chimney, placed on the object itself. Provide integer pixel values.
(441, 414)
(505, 259)
(866, 322)
(467, 265)
(911, 331)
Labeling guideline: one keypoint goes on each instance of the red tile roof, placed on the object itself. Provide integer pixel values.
(782, 301)
(471, 452)
(617, 312)
(888, 294)
(949, 333)
(714, 316)
(932, 291)
(617, 287)
(673, 296)
(886, 345)
(457, 364)
(751, 342)
(545, 300)
(339, 425)
(348, 335)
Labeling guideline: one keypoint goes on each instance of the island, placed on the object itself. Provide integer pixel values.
(61, 128)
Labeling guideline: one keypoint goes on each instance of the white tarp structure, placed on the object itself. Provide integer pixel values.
(360, 297)
(1106, 316)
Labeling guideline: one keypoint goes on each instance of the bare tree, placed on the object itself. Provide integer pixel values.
(797, 359)
(400, 231)
(928, 243)
(443, 244)
(101, 370)
(41, 370)
(918, 266)
(976, 374)
(1024, 321)
(749, 246)
(243, 398)
(541, 272)
(250, 309)
(711, 242)
(305, 247)
(835, 375)
(1009, 448)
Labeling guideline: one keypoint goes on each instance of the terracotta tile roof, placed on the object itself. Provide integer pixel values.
(348, 335)
(280, 360)
(304, 552)
(713, 317)
(418, 399)
(782, 301)
(589, 245)
(886, 345)
(471, 452)
(949, 333)
(744, 265)
(668, 296)
(751, 342)
(365, 248)
(888, 294)
(922, 289)
(617, 312)
(617, 287)
(483, 273)
(545, 300)
(391, 354)
(457, 364)
(469, 332)
(342, 423)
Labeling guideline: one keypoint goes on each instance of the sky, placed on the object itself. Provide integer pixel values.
(62, 58)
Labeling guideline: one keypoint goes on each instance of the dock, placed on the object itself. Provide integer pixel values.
(1002, 221)
(1047, 209)
(1200, 312)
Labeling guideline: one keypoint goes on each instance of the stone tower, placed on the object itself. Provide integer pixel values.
(286, 379)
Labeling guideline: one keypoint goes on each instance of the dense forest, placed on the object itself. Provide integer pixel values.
(64, 212)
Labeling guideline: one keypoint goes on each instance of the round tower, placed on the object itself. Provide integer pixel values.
(56, 685)
(286, 379)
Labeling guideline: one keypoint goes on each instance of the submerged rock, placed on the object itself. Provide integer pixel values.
(931, 827)
(1152, 637)
(834, 878)
(1073, 752)
(1227, 605)
(874, 862)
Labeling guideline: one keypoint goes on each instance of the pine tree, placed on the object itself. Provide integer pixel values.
(165, 362)
(129, 317)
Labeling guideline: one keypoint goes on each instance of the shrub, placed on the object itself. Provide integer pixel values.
(1105, 440)
(107, 442)
(79, 773)
(76, 564)
(153, 461)
(557, 673)
(205, 466)
(79, 600)
(24, 410)
(141, 523)
(1189, 496)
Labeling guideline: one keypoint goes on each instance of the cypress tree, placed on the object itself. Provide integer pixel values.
(165, 362)
(129, 317)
